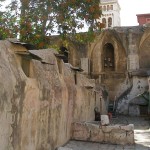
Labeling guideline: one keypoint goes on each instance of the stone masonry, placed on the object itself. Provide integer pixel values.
(114, 134)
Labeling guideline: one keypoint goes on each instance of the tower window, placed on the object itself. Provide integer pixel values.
(104, 21)
(109, 22)
(107, 7)
(111, 7)
(104, 8)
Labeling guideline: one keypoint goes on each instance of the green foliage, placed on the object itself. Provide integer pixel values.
(34, 21)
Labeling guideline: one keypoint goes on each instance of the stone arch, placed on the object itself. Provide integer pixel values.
(108, 37)
(144, 50)
(71, 48)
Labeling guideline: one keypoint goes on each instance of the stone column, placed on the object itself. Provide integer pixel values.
(85, 65)
(133, 57)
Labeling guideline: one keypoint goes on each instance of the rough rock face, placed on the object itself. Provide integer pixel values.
(39, 99)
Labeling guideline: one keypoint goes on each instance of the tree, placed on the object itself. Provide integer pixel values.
(35, 20)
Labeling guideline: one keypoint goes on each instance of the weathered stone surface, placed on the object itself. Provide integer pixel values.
(109, 128)
(133, 61)
(118, 137)
(85, 65)
(104, 120)
(80, 132)
(107, 137)
(130, 137)
(129, 127)
(96, 134)
(116, 134)
(38, 99)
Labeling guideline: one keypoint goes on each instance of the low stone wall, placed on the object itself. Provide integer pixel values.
(114, 134)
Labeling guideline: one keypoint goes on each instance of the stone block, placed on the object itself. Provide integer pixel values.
(80, 132)
(129, 127)
(118, 137)
(107, 137)
(130, 137)
(133, 61)
(96, 134)
(104, 120)
(82, 80)
(107, 129)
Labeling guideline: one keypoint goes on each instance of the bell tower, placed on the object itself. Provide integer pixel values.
(110, 13)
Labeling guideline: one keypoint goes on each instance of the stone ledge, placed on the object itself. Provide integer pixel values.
(116, 134)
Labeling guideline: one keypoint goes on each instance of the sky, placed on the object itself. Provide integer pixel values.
(129, 9)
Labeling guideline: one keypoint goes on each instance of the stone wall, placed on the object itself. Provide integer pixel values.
(131, 54)
(114, 134)
(39, 102)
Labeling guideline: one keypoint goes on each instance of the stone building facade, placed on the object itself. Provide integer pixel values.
(118, 59)
(41, 96)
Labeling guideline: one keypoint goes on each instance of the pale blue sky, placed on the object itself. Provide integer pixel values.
(129, 9)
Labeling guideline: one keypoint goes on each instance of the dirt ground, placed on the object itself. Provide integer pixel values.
(142, 136)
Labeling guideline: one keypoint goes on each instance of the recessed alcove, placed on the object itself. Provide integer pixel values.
(108, 57)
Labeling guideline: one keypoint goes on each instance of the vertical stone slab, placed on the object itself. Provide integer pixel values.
(85, 65)
(133, 62)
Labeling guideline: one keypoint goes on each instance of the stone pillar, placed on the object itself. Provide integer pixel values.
(133, 57)
(85, 65)
(133, 62)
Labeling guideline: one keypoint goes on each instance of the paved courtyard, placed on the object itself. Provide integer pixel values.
(142, 137)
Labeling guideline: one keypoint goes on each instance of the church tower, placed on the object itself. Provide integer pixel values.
(110, 13)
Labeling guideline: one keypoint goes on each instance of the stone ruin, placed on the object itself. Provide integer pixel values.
(45, 102)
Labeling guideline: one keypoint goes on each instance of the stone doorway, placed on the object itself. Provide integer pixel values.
(108, 59)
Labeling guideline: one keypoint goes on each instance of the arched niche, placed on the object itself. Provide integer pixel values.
(108, 44)
(71, 49)
(108, 57)
(63, 50)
